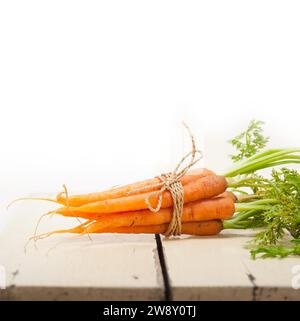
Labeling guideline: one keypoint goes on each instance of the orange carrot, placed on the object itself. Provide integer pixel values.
(210, 209)
(221, 207)
(201, 188)
(79, 200)
(228, 194)
(203, 228)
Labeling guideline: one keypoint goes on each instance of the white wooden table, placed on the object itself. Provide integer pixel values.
(131, 267)
(220, 268)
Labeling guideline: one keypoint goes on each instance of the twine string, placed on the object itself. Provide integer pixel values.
(171, 182)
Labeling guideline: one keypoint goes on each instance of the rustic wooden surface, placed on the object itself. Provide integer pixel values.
(110, 267)
(220, 268)
(127, 267)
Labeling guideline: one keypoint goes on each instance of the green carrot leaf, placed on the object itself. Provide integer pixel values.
(280, 251)
(249, 142)
(276, 212)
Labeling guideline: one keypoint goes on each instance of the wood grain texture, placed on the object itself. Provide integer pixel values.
(64, 267)
(126, 267)
(220, 268)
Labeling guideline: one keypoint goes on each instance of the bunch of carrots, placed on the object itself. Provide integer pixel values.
(206, 203)
(210, 200)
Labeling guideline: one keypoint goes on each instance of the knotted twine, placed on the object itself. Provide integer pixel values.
(171, 182)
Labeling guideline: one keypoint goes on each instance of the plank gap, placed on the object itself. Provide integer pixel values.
(166, 279)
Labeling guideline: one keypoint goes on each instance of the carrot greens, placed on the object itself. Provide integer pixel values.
(249, 142)
(270, 204)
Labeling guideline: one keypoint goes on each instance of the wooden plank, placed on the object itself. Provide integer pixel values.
(110, 267)
(272, 278)
(220, 268)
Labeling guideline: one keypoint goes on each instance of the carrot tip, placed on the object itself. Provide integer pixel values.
(31, 199)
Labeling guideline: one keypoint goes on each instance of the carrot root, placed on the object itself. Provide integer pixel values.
(210, 209)
(77, 230)
(32, 199)
(206, 187)
(148, 185)
(204, 228)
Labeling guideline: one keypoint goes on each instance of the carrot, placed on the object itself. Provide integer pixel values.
(136, 188)
(203, 228)
(210, 209)
(201, 188)
(79, 200)
(77, 229)
(229, 194)
(221, 207)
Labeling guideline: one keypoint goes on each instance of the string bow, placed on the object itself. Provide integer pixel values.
(171, 182)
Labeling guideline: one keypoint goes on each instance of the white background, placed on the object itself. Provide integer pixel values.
(92, 93)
